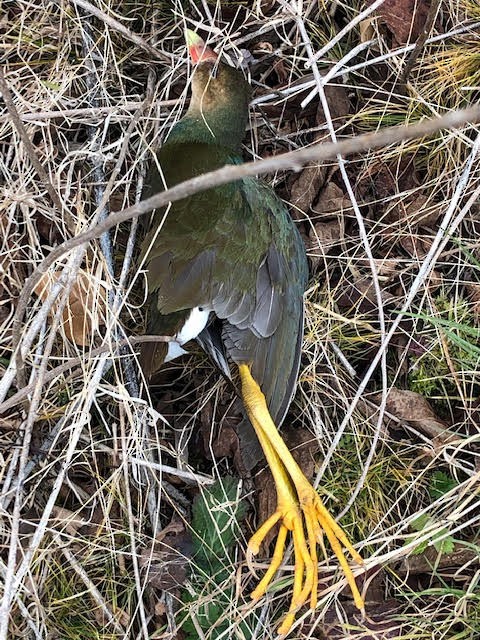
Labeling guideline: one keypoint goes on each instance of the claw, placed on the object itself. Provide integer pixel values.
(299, 510)
(308, 522)
(277, 558)
(259, 535)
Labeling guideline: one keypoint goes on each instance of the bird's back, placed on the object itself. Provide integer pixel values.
(234, 251)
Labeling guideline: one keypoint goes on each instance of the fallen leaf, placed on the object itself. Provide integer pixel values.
(165, 560)
(361, 295)
(339, 107)
(304, 448)
(418, 211)
(85, 309)
(367, 30)
(323, 236)
(404, 18)
(473, 290)
(332, 200)
(385, 267)
(305, 189)
(10, 424)
(222, 443)
(380, 180)
(415, 245)
(420, 564)
(69, 521)
(381, 622)
(415, 409)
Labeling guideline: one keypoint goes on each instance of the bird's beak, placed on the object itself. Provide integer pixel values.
(199, 51)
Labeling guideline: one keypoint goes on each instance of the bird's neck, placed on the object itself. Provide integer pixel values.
(222, 128)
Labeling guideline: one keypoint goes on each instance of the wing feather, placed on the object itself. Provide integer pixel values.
(235, 250)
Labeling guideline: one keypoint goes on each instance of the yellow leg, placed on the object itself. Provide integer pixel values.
(299, 510)
(288, 512)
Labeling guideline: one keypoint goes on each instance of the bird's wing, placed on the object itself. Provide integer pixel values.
(275, 350)
(213, 249)
(233, 250)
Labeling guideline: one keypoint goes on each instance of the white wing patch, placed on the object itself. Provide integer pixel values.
(195, 324)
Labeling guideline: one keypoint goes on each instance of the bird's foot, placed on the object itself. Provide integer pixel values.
(307, 519)
(299, 510)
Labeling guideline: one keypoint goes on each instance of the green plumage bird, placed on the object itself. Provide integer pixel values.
(227, 266)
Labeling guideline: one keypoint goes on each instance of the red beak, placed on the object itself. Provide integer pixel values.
(199, 51)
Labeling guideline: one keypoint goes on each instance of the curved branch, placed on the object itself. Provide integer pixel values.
(293, 160)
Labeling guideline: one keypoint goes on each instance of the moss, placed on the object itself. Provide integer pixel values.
(450, 350)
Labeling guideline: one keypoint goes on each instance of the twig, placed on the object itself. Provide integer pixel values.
(77, 362)
(118, 26)
(88, 112)
(93, 592)
(292, 160)
(188, 476)
(30, 149)
(421, 40)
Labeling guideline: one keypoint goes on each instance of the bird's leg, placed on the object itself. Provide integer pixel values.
(299, 510)
(289, 514)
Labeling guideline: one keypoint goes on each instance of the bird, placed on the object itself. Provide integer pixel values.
(227, 267)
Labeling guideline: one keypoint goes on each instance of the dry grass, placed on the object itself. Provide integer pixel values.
(90, 473)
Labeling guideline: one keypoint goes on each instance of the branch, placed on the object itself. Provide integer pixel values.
(292, 160)
(79, 361)
(118, 26)
(29, 148)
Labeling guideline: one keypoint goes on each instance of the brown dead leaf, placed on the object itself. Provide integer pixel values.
(281, 70)
(380, 180)
(47, 230)
(418, 211)
(165, 561)
(473, 290)
(266, 5)
(338, 104)
(323, 237)
(367, 30)
(422, 563)
(304, 447)
(415, 245)
(224, 443)
(385, 267)
(84, 312)
(305, 189)
(67, 520)
(326, 235)
(10, 424)
(103, 620)
(435, 280)
(361, 295)
(380, 623)
(404, 19)
(332, 200)
(413, 408)
(422, 211)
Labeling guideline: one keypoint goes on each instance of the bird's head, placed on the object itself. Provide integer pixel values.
(220, 93)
